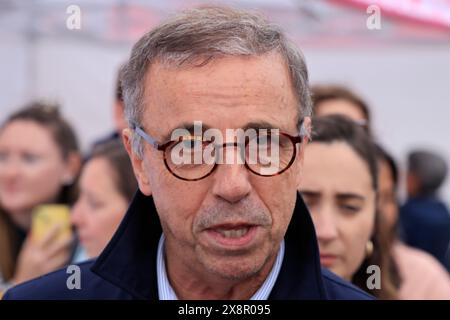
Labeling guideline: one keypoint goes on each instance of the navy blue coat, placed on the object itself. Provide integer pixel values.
(126, 269)
(425, 224)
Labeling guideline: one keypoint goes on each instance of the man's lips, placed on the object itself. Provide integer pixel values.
(234, 235)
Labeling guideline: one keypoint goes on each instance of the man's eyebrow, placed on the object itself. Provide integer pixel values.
(259, 125)
(350, 196)
(189, 126)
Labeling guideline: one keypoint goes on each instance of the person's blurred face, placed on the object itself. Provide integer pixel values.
(387, 202)
(99, 208)
(337, 188)
(342, 107)
(32, 169)
(230, 224)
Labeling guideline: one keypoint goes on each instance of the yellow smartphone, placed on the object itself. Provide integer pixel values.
(46, 216)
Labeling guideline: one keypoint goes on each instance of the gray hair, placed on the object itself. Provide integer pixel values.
(203, 34)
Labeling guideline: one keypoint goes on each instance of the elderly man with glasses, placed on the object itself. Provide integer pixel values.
(216, 216)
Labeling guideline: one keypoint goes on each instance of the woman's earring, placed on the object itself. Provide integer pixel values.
(369, 248)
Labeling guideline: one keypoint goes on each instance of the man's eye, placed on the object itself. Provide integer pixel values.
(264, 139)
(272, 141)
(192, 144)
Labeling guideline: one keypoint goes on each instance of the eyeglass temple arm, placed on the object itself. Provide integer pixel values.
(147, 137)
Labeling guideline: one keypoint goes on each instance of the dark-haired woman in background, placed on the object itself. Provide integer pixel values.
(39, 162)
(339, 185)
(349, 184)
(107, 185)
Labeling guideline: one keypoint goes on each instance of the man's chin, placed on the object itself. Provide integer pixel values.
(235, 272)
(234, 268)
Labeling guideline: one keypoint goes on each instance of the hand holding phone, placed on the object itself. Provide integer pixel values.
(48, 245)
(50, 216)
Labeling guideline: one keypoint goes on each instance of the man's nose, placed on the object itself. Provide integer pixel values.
(231, 182)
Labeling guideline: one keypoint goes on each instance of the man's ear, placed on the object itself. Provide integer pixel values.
(305, 132)
(136, 162)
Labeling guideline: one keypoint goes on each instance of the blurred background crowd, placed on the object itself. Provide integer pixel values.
(374, 174)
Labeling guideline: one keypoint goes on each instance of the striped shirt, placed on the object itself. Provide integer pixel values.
(166, 292)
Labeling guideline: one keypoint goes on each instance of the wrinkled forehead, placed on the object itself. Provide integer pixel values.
(230, 92)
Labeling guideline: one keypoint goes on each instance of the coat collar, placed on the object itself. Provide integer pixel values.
(129, 260)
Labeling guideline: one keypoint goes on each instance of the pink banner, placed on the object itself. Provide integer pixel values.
(431, 12)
